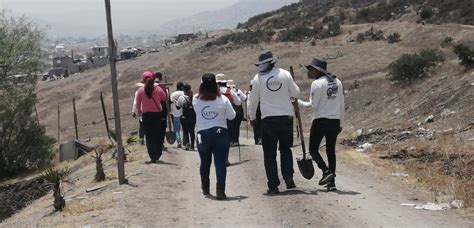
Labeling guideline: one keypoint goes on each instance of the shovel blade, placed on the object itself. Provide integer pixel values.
(171, 137)
(306, 168)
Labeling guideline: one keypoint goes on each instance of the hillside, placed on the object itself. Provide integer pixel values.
(227, 17)
(310, 12)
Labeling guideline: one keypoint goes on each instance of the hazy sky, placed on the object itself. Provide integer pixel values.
(87, 17)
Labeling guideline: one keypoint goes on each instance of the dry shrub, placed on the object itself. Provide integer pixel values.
(444, 165)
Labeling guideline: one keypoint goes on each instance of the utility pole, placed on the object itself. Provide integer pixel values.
(113, 76)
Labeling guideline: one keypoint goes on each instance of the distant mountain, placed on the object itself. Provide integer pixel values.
(227, 17)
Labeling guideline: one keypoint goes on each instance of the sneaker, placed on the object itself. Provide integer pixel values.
(187, 147)
(331, 186)
(150, 162)
(327, 177)
(273, 191)
(179, 145)
(290, 184)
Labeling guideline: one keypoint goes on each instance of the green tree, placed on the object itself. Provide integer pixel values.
(411, 67)
(23, 143)
(465, 54)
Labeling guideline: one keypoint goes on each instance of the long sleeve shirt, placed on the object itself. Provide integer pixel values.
(210, 114)
(326, 99)
(145, 104)
(273, 91)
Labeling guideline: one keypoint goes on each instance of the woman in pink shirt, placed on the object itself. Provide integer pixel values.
(148, 106)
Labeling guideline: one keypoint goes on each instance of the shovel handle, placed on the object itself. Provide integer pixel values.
(298, 117)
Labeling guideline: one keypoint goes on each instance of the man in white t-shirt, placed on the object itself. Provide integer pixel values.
(176, 112)
(327, 103)
(273, 88)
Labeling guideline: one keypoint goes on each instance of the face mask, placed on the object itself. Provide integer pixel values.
(265, 68)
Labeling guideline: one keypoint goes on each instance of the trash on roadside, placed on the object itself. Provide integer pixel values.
(400, 175)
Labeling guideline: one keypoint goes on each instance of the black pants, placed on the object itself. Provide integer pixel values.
(239, 117)
(188, 130)
(257, 131)
(153, 126)
(277, 131)
(141, 131)
(164, 116)
(329, 129)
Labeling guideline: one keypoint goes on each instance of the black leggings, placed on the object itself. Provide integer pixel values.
(329, 129)
(153, 126)
(188, 131)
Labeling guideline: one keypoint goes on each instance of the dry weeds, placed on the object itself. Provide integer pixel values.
(444, 165)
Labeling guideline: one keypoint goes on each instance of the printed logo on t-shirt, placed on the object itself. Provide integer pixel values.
(209, 114)
(332, 90)
(273, 84)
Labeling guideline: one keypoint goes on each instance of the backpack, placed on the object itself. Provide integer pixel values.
(188, 109)
(228, 94)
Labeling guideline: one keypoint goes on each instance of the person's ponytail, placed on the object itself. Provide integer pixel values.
(149, 87)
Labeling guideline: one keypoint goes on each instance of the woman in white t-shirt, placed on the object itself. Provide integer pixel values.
(212, 112)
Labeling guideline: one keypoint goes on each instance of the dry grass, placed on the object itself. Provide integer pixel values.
(444, 165)
(88, 205)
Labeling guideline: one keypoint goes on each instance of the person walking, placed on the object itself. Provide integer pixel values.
(327, 103)
(234, 99)
(273, 88)
(212, 111)
(176, 112)
(257, 130)
(164, 106)
(141, 132)
(148, 106)
(234, 141)
(188, 119)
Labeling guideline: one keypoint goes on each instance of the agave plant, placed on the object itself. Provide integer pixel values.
(99, 151)
(130, 140)
(56, 177)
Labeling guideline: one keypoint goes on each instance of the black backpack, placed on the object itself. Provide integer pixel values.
(188, 109)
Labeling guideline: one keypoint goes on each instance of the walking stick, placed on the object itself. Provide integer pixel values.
(240, 157)
(247, 118)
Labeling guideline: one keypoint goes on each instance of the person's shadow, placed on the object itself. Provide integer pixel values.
(293, 192)
(238, 163)
(229, 198)
(341, 192)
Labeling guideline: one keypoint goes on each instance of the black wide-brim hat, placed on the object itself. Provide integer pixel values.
(319, 65)
(266, 57)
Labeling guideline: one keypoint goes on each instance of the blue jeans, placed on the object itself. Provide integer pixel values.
(214, 141)
(177, 128)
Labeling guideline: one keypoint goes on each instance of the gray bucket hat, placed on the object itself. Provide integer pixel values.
(266, 57)
(319, 65)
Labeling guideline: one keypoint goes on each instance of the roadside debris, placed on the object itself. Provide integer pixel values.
(400, 175)
(428, 206)
(429, 119)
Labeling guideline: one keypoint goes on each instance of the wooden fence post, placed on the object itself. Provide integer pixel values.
(113, 76)
(59, 125)
(105, 116)
(75, 117)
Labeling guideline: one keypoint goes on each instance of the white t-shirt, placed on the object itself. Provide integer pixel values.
(210, 114)
(273, 91)
(174, 99)
(326, 99)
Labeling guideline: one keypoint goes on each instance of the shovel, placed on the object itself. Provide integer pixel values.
(305, 164)
(171, 134)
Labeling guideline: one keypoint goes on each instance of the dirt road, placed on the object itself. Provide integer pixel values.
(168, 195)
